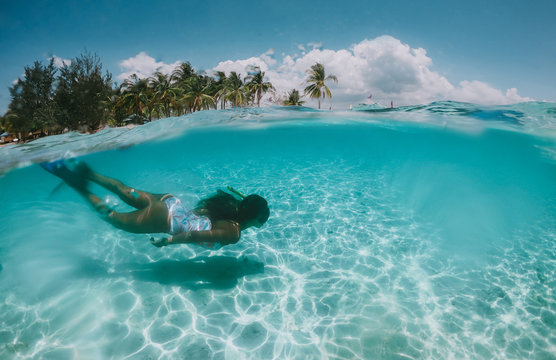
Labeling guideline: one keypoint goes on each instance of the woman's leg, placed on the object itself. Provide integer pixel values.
(151, 219)
(136, 198)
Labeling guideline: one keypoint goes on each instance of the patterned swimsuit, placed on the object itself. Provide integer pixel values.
(183, 220)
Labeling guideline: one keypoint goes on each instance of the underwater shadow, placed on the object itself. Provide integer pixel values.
(216, 272)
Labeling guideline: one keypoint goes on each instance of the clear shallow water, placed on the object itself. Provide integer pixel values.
(425, 232)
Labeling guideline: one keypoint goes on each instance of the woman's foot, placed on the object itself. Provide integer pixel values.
(73, 179)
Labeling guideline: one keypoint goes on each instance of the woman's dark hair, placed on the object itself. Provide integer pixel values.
(223, 206)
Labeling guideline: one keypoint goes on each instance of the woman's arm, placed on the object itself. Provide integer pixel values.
(205, 236)
(224, 236)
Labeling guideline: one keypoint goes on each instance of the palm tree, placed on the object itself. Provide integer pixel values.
(220, 88)
(164, 93)
(179, 79)
(116, 114)
(10, 122)
(293, 99)
(136, 97)
(235, 91)
(257, 86)
(197, 94)
(317, 87)
(182, 73)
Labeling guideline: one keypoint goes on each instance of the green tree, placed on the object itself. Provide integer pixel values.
(179, 79)
(182, 73)
(135, 98)
(197, 94)
(30, 97)
(293, 99)
(49, 118)
(257, 86)
(115, 114)
(7, 122)
(234, 90)
(317, 83)
(165, 94)
(81, 91)
(219, 88)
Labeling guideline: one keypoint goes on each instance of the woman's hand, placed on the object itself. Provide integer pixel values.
(159, 242)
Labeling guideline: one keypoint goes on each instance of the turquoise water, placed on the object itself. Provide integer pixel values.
(425, 232)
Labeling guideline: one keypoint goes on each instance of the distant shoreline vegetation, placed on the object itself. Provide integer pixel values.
(78, 96)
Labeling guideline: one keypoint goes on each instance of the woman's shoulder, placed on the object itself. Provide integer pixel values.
(230, 227)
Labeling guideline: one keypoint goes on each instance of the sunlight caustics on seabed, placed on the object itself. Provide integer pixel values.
(423, 233)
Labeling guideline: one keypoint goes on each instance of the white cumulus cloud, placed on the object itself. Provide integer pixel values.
(264, 62)
(477, 91)
(315, 45)
(59, 62)
(144, 66)
(384, 67)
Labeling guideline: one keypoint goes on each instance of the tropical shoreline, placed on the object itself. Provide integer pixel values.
(79, 97)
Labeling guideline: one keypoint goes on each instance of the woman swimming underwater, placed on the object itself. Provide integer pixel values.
(217, 220)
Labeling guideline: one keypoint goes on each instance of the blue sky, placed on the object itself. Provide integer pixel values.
(490, 46)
